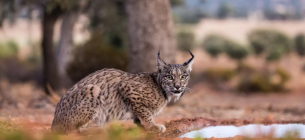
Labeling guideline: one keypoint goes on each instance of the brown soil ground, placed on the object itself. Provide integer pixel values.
(203, 107)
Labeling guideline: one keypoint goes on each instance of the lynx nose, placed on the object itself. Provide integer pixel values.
(177, 87)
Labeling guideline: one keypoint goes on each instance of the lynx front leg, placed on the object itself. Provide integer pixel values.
(134, 100)
(146, 119)
(138, 123)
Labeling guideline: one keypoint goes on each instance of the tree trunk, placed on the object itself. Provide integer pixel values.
(65, 46)
(150, 29)
(50, 73)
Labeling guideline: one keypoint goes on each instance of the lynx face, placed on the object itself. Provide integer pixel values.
(173, 78)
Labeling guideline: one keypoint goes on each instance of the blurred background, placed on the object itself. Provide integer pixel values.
(249, 54)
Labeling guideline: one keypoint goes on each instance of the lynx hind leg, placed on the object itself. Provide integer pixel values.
(83, 113)
(90, 109)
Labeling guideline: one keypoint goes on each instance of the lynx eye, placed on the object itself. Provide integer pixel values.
(169, 77)
(183, 77)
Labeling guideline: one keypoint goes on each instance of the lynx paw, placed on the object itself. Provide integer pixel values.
(158, 128)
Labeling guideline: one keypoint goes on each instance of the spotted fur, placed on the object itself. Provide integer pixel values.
(111, 94)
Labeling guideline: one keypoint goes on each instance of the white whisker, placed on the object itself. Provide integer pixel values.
(188, 90)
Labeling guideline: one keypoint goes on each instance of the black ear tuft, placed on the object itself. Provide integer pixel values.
(161, 64)
(189, 61)
(188, 64)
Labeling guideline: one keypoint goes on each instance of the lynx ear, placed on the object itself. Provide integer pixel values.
(188, 64)
(160, 63)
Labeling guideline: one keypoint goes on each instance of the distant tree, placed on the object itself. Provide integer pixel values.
(176, 2)
(265, 41)
(224, 11)
(150, 29)
(51, 12)
(65, 46)
(8, 10)
(236, 51)
(50, 70)
(300, 44)
(214, 45)
(189, 16)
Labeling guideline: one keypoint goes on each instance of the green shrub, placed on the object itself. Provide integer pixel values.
(255, 83)
(300, 44)
(264, 81)
(185, 40)
(236, 51)
(283, 74)
(95, 55)
(262, 41)
(9, 48)
(219, 74)
(214, 44)
(274, 54)
(219, 78)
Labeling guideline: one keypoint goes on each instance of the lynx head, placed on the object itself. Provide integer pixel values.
(173, 78)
